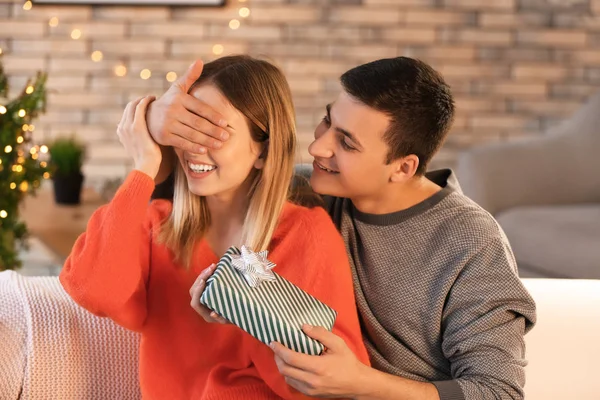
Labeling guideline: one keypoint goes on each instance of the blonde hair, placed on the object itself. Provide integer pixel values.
(261, 93)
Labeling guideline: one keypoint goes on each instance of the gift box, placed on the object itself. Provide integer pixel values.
(245, 291)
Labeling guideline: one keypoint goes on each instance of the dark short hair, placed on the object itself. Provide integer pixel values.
(415, 97)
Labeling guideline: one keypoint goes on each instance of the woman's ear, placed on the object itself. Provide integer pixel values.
(260, 161)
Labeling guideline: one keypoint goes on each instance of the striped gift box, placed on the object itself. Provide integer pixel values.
(273, 311)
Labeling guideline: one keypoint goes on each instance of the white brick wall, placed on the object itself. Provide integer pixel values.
(515, 66)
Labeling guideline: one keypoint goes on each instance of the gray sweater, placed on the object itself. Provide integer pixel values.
(438, 294)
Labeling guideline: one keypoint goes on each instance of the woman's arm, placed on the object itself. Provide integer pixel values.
(107, 270)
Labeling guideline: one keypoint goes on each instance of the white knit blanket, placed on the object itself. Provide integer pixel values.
(50, 348)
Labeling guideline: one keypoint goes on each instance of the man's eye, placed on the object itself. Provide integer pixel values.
(326, 120)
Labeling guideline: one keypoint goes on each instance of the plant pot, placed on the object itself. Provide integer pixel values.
(67, 188)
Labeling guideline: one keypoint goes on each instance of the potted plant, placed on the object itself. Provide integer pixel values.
(66, 158)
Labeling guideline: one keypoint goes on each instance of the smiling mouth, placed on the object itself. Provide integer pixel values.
(322, 168)
(200, 168)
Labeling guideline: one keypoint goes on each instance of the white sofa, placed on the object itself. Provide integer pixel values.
(52, 349)
(563, 348)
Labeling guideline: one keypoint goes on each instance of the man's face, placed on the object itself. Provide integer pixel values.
(349, 151)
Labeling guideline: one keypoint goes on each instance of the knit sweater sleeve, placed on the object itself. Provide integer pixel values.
(488, 311)
(323, 270)
(107, 270)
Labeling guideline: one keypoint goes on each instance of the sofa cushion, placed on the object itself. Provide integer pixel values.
(555, 241)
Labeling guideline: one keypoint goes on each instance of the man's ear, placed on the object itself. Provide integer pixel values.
(404, 168)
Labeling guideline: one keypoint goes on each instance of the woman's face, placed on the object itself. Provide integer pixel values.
(224, 170)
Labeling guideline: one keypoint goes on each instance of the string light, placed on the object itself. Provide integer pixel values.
(20, 139)
(171, 76)
(8, 149)
(53, 22)
(27, 5)
(244, 12)
(34, 156)
(2, 110)
(3, 214)
(46, 175)
(33, 150)
(24, 186)
(22, 113)
(75, 34)
(25, 127)
(120, 70)
(36, 184)
(97, 56)
(218, 49)
(0, 161)
(44, 149)
(20, 160)
(17, 168)
(29, 89)
(31, 128)
(234, 24)
(145, 74)
(43, 164)
(13, 186)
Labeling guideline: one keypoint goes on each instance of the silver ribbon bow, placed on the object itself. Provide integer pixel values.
(254, 266)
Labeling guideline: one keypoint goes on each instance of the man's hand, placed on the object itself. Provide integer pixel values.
(195, 293)
(336, 373)
(180, 120)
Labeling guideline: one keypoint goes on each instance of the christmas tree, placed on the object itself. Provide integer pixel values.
(21, 165)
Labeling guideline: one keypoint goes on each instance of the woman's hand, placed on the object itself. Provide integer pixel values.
(134, 136)
(195, 293)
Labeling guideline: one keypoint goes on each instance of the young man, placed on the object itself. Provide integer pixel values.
(441, 305)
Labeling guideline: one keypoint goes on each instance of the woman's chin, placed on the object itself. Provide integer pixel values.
(200, 190)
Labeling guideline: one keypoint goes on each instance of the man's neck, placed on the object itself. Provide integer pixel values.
(397, 197)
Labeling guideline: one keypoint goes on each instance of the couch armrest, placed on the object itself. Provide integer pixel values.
(560, 167)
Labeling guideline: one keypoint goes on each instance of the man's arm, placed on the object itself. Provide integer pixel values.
(339, 374)
(381, 386)
(488, 311)
(485, 318)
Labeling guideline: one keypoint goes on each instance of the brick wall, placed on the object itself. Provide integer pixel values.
(516, 66)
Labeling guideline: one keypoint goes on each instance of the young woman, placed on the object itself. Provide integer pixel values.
(138, 259)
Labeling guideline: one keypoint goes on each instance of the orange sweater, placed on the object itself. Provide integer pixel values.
(118, 270)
